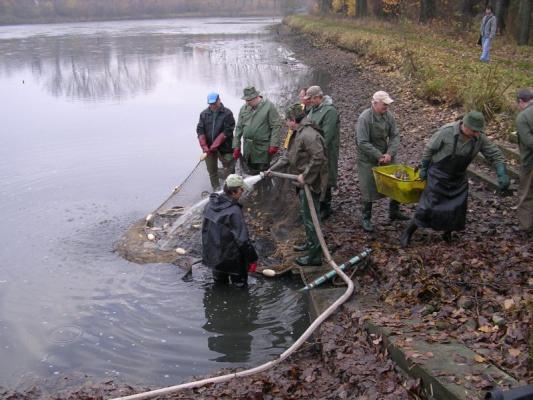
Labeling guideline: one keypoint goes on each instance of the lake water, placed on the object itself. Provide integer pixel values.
(97, 126)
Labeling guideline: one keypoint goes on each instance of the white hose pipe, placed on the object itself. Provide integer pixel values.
(295, 346)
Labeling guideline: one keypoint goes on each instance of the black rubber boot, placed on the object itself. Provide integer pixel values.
(367, 215)
(394, 212)
(405, 238)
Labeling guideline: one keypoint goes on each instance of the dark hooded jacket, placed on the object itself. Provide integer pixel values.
(225, 237)
(211, 124)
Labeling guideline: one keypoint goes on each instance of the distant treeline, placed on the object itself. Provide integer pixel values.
(514, 16)
(27, 11)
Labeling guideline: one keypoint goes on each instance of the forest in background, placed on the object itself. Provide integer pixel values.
(514, 16)
(35, 11)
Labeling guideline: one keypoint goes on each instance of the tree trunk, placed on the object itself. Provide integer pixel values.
(500, 10)
(324, 6)
(428, 10)
(524, 21)
(362, 8)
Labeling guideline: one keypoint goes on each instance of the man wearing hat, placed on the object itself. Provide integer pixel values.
(226, 245)
(306, 157)
(215, 134)
(259, 127)
(524, 128)
(377, 141)
(325, 115)
(447, 155)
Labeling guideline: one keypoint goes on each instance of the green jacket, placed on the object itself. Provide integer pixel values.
(307, 156)
(524, 128)
(327, 118)
(375, 135)
(259, 129)
(441, 145)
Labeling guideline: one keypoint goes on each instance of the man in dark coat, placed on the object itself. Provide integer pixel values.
(306, 158)
(524, 129)
(226, 245)
(447, 155)
(215, 135)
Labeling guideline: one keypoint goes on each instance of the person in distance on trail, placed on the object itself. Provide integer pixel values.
(226, 245)
(259, 126)
(447, 155)
(215, 134)
(524, 128)
(487, 32)
(307, 158)
(325, 115)
(377, 141)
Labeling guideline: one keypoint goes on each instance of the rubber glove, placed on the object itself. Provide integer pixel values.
(203, 143)
(236, 153)
(424, 165)
(273, 150)
(218, 141)
(252, 267)
(503, 178)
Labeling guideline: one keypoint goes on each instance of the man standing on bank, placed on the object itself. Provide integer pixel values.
(377, 141)
(524, 127)
(215, 134)
(259, 125)
(306, 157)
(325, 115)
(447, 155)
(226, 245)
(487, 32)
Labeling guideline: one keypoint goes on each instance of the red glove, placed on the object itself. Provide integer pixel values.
(236, 153)
(203, 143)
(218, 141)
(252, 267)
(272, 150)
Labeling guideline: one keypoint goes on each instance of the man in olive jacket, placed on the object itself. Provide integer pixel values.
(524, 128)
(325, 115)
(259, 127)
(377, 141)
(446, 157)
(215, 134)
(306, 157)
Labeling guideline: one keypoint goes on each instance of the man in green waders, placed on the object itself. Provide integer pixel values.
(324, 114)
(259, 126)
(215, 134)
(377, 141)
(524, 128)
(306, 157)
(447, 155)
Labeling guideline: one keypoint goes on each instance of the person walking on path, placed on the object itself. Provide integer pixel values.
(446, 157)
(377, 141)
(259, 126)
(307, 158)
(215, 135)
(324, 114)
(226, 245)
(524, 127)
(487, 32)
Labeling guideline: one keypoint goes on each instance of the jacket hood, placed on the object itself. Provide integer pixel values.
(327, 100)
(220, 201)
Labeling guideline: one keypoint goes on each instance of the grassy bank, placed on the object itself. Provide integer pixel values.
(443, 68)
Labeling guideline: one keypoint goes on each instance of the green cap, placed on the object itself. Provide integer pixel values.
(235, 181)
(475, 121)
(294, 111)
(250, 93)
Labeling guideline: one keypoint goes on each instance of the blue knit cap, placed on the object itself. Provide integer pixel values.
(212, 98)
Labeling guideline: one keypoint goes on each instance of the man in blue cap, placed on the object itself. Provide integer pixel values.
(215, 135)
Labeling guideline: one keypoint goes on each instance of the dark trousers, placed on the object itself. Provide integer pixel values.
(315, 250)
(235, 271)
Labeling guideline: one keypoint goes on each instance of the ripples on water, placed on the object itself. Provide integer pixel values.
(98, 124)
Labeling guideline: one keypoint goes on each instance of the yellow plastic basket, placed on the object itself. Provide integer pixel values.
(403, 191)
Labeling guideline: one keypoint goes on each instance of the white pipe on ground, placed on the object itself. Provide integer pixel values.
(295, 346)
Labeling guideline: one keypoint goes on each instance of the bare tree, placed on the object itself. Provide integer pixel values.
(524, 21)
(428, 10)
(361, 8)
(500, 10)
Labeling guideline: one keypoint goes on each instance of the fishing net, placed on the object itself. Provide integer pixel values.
(172, 232)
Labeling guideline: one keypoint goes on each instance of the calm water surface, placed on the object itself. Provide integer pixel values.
(97, 125)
